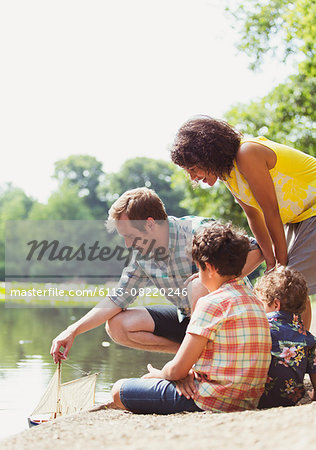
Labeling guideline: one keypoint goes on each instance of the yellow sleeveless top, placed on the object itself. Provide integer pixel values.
(294, 179)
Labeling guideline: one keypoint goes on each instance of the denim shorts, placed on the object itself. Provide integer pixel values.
(154, 396)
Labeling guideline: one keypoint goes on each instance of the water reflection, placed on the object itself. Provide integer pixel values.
(26, 366)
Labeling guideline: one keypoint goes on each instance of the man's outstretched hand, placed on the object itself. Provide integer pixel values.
(65, 340)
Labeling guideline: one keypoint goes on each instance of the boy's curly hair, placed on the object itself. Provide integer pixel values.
(286, 285)
(206, 143)
(221, 245)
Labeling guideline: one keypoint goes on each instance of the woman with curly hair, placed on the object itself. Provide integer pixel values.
(273, 183)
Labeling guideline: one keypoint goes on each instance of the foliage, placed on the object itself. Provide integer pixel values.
(286, 115)
(216, 202)
(64, 204)
(14, 205)
(81, 196)
(279, 26)
(152, 173)
(85, 173)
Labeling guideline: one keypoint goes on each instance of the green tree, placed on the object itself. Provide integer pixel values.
(84, 173)
(216, 202)
(280, 27)
(152, 173)
(64, 204)
(287, 114)
(14, 205)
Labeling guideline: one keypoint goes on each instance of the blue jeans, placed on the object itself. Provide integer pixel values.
(153, 396)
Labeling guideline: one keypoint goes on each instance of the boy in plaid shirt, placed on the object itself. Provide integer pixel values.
(223, 361)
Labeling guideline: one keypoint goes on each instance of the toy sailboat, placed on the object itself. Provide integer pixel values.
(61, 399)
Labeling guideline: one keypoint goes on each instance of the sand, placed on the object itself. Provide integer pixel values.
(282, 428)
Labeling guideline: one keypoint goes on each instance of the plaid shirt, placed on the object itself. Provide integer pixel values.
(235, 362)
(168, 275)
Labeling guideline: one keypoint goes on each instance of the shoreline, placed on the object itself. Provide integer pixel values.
(122, 430)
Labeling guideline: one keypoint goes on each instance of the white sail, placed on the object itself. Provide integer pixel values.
(67, 398)
(48, 402)
(77, 395)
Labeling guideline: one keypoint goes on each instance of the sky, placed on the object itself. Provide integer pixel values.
(113, 79)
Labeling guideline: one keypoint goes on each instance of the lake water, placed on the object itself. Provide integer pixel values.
(26, 365)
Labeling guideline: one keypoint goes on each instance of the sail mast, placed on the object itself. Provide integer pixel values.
(58, 406)
(67, 398)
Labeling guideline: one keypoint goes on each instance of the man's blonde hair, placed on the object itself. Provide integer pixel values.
(138, 204)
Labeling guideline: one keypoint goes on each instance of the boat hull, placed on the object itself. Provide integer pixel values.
(35, 422)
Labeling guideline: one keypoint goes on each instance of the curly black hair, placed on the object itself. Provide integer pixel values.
(286, 285)
(223, 246)
(206, 143)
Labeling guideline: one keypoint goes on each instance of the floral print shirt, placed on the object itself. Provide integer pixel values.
(293, 355)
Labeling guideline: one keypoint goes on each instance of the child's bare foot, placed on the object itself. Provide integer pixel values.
(109, 405)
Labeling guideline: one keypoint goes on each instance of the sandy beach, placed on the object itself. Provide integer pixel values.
(284, 428)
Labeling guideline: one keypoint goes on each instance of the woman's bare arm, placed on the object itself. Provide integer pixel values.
(253, 162)
(258, 227)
